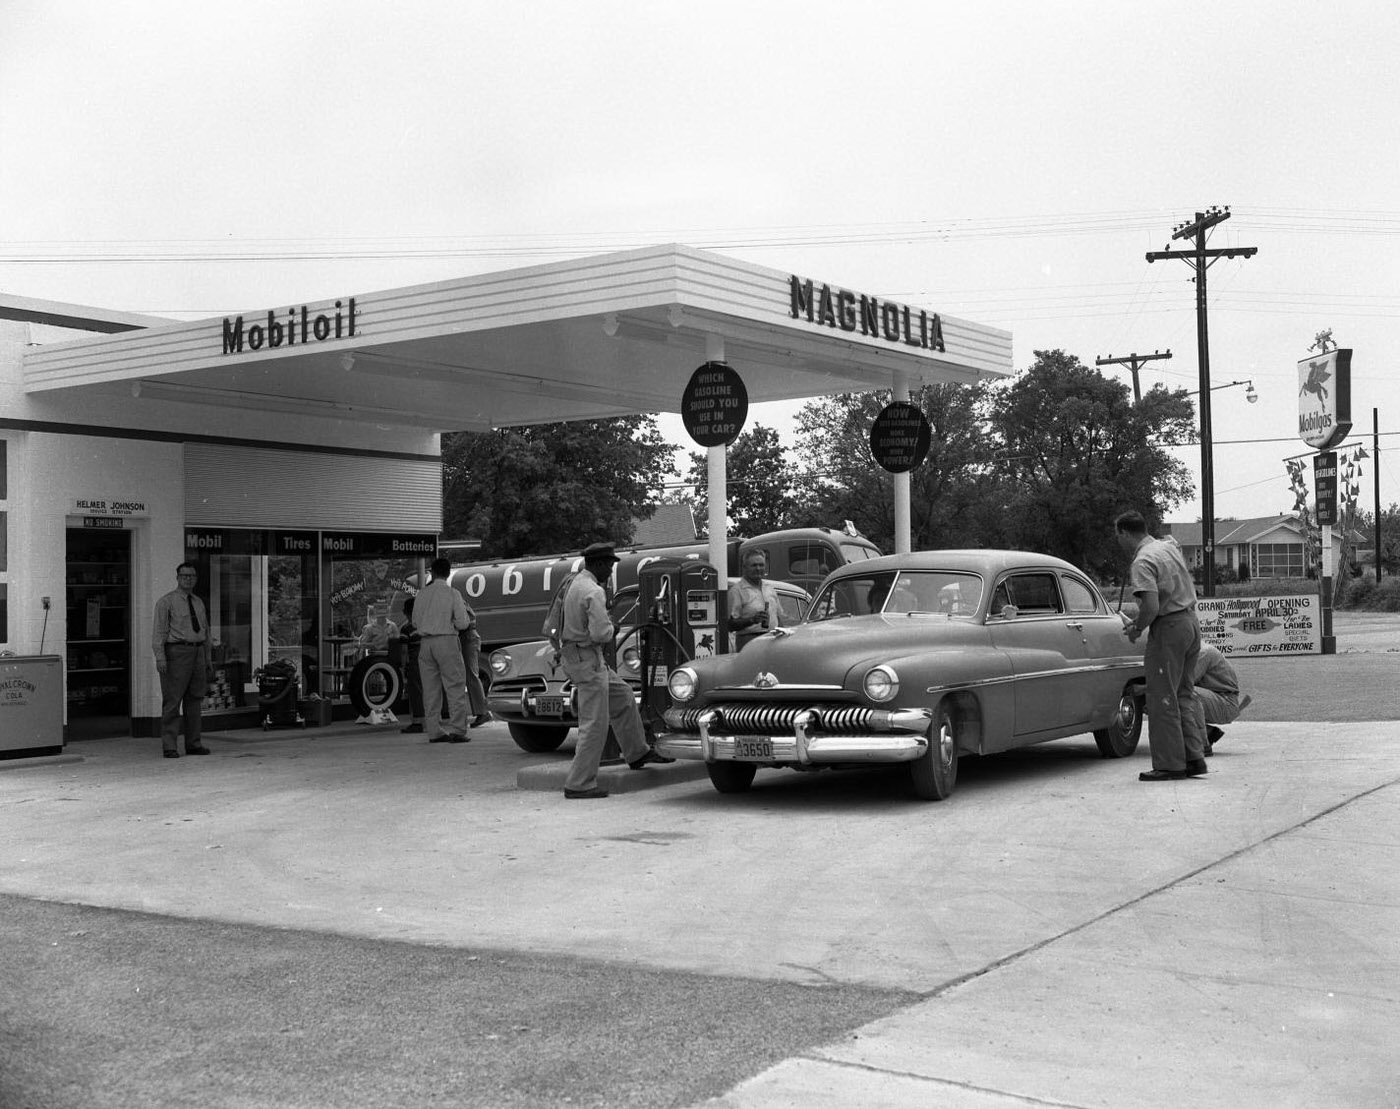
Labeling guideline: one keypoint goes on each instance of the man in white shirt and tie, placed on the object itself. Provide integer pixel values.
(180, 641)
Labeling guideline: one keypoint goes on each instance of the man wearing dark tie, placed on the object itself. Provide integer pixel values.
(180, 641)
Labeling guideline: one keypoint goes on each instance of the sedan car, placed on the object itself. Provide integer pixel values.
(916, 659)
(533, 695)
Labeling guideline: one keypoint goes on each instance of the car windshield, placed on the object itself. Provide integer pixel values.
(944, 592)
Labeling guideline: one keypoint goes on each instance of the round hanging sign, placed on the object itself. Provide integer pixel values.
(715, 405)
(899, 438)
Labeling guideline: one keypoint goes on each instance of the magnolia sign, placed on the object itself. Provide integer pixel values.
(1324, 399)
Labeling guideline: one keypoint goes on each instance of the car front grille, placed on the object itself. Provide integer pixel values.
(834, 720)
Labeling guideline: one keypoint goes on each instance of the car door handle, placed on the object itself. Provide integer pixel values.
(1075, 624)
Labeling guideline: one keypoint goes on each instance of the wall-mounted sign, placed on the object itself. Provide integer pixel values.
(1325, 486)
(92, 506)
(856, 312)
(1324, 399)
(1240, 626)
(250, 541)
(899, 438)
(300, 328)
(113, 523)
(715, 405)
(370, 544)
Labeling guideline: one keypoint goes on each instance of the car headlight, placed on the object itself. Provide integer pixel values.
(682, 683)
(501, 663)
(881, 683)
(631, 660)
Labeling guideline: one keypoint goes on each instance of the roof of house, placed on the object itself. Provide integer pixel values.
(1231, 533)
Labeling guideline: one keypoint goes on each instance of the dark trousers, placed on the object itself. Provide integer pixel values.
(413, 677)
(471, 659)
(1174, 728)
(182, 690)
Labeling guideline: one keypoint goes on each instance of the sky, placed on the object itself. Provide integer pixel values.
(1007, 163)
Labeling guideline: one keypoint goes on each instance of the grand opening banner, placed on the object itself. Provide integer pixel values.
(1262, 625)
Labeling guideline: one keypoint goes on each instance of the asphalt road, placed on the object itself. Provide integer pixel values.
(355, 922)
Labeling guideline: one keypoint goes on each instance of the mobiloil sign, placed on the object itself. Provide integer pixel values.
(301, 327)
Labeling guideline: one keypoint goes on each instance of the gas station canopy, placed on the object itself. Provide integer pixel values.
(611, 335)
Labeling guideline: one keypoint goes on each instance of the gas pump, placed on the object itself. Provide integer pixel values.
(681, 617)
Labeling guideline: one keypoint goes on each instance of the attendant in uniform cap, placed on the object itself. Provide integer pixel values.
(603, 697)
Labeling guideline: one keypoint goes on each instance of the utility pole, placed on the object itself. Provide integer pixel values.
(1200, 259)
(1133, 362)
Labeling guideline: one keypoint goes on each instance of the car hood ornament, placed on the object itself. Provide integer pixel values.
(765, 680)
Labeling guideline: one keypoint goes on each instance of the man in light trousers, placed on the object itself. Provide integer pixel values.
(603, 697)
(440, 614)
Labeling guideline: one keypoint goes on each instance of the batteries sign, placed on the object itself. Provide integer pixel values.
(1325, 484)
(715, 405)
(900, 436)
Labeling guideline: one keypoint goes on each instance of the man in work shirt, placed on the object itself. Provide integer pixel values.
(1161, 582)
(603, 697)
(753, 602)
(180, 641)
(1218, 699)
(440, 614)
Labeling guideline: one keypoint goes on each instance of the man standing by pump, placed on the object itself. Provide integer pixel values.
(1166, 596)
(440, 614)
(180, 641)
(603, 697)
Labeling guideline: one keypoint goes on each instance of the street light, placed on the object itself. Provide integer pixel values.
(1249, 393)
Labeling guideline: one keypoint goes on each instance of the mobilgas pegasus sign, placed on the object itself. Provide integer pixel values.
(1324, 398)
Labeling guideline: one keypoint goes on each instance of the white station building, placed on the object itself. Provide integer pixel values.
(292, 451)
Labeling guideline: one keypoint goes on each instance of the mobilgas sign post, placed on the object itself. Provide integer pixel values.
(1324, 420)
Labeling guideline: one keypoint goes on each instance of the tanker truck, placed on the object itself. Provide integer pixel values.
(511, 596)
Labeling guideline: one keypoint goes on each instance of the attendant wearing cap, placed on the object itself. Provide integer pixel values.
(603, 697)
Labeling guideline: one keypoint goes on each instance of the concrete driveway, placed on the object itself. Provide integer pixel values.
(1069, 936)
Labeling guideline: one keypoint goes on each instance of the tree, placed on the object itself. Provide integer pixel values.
(838, 479)
(552, 487)
(759, 479)
(1077, 451)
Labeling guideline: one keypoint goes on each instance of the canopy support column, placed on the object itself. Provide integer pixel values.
(718, 502)
(902, 528)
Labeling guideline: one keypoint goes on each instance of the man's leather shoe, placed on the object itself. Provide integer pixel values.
(172, 754)
(456, 737)
(585, 794)
(652, 756)
(482, 720)
(1195, 767)
(196, 750)
(1162, 775)
(441, 737)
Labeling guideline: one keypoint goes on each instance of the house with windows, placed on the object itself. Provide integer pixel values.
(1261, 547)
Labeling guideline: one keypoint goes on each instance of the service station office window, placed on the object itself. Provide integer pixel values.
(262, 591)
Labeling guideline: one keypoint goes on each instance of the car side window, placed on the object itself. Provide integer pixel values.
(809, 560)
(791, 609)
(1034, 594)
(1079, 597)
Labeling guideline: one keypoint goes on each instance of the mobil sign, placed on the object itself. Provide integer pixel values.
(1324, 399)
